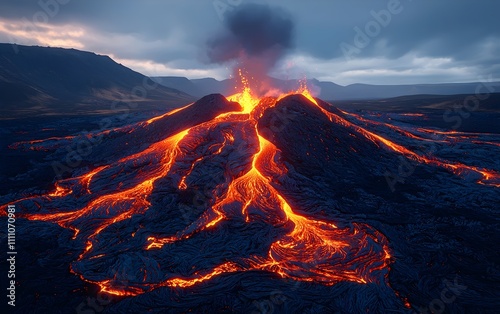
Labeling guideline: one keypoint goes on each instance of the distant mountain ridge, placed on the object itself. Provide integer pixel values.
(46, 80)
(330, 90)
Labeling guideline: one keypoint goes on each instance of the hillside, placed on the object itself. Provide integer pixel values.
(293, 197)
(41, 80)
(329, 90)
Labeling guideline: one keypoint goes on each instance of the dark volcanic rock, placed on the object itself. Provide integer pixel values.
(160, 213)
(317, 147)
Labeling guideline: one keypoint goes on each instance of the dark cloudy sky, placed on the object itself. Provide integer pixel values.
(408, 42)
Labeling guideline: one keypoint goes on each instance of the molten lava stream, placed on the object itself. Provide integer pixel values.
(92, 135)
(313, 250)
(118, 206)
(397, 129)
(316, 250)
(306, 249)
(488, 177)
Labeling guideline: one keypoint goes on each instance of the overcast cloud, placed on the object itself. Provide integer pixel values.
(341, 41)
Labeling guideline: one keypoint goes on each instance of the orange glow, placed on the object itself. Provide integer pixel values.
(147, 122)
(489, 177)
(224, 268)
(60, 191)
(304, 91)
(246, 99)
(311, 249)
(319, 247)
(393, 127)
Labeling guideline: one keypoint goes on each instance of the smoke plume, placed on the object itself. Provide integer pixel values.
(256, 36)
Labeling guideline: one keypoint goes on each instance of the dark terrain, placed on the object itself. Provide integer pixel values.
(332, 91)
(46, 81)
(441, 226)
(381, 205)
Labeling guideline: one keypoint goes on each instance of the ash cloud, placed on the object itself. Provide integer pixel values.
(255, 35)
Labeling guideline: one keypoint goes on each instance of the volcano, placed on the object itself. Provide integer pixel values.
(247, 204)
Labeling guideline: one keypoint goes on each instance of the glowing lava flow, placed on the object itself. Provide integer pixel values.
(52, 142)
(304, 249)
(313, 250)
(487, 176)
